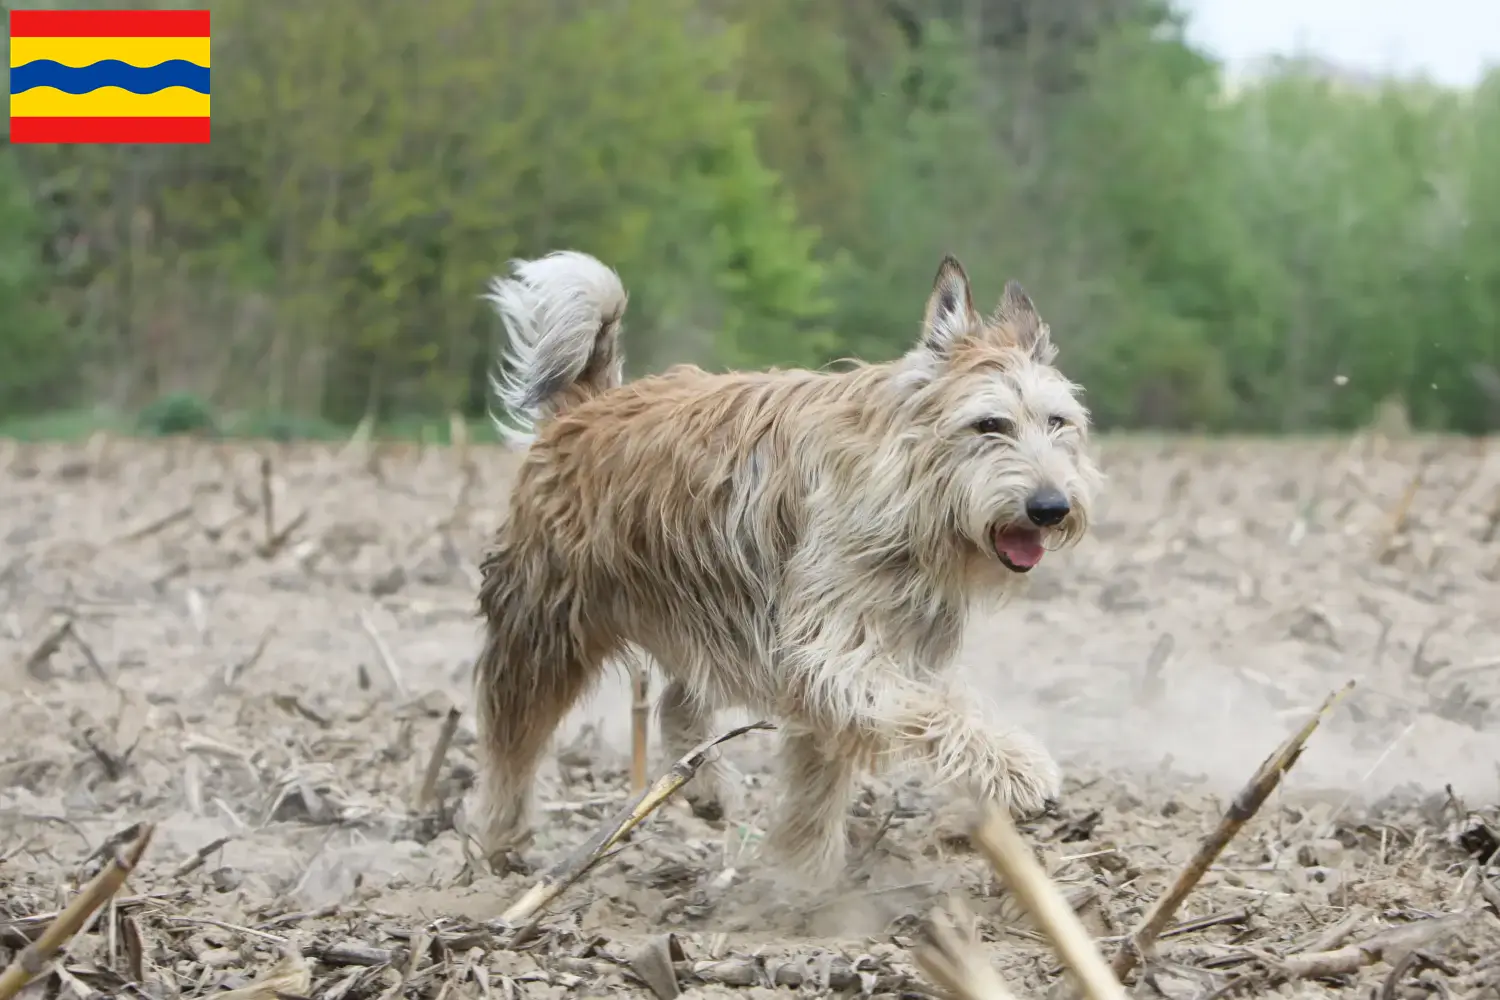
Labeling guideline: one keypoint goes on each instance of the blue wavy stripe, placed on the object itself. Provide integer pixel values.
(109, 73)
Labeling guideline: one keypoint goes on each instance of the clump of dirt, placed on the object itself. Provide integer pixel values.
(258, 651)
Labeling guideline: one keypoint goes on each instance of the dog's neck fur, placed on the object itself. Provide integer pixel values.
(917, 576)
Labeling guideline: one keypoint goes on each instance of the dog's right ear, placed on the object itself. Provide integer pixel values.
(1019, 319)
(950, 315)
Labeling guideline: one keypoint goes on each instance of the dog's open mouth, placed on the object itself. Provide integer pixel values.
(1019, 548)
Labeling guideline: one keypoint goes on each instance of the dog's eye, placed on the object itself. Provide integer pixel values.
(994, 425)
(1056, 423)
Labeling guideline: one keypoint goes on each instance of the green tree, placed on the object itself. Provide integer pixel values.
(38, 358)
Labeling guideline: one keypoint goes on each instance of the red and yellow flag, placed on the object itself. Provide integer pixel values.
(109, 76)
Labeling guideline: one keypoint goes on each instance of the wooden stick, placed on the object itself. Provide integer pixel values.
(160, 524)
(278, 541)
(1331, 937)
(195, 862)
(38, 663)
(267, 499)
(1212, 920)
(383, 653)
(1387, 945)
(289, 977)
(1402, 512)
(88, 655)
(572, 868)
(434, 770)
(954, 960)
(640, 718)
(1008, 853)
(1245, 805)
(33, 959)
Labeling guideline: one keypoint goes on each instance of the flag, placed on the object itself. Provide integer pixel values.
(109, 76)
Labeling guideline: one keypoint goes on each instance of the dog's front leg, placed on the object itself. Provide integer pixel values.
(910, 719)
(1009, 768)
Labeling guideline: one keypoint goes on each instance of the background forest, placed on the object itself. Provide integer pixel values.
(776, 181)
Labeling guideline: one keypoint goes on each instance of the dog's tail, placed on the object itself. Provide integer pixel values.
(562, 316)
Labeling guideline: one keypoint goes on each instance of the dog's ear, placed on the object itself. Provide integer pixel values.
(950, 315)
(1019, 319)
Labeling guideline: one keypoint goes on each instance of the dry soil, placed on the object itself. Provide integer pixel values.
(271, 687)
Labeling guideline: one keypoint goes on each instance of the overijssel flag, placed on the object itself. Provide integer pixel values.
(109, 76)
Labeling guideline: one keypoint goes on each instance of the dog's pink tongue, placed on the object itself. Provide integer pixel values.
(1022, 546)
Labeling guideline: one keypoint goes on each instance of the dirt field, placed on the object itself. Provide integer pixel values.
(275, 709)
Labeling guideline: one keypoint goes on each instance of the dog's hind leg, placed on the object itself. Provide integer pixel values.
(810, 828)
(684, 722)
(532, 670)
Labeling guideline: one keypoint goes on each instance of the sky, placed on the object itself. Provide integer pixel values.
(1450, 41)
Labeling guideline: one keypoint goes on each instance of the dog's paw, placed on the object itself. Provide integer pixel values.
(1032, 797)
(708, 809)
(507, 862)
(1032, 783)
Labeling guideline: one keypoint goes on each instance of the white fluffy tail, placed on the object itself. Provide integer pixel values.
(562, 316)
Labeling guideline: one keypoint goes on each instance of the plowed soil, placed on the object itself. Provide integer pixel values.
(268, 690)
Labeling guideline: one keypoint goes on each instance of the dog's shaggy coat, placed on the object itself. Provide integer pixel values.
(803, 544)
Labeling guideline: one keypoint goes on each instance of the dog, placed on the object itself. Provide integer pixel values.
(803, 544)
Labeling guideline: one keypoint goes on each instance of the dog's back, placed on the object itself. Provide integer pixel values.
(677, 500)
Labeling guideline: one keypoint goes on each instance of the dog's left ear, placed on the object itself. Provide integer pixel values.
(950, 315)
(1018, 317)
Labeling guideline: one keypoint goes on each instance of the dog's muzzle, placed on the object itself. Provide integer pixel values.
(1020, 545)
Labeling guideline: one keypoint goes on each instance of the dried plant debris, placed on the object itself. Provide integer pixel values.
(277, 690)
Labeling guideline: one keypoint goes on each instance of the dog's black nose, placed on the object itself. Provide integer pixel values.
(1047, 507)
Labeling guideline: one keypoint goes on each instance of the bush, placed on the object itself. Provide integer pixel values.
(178, 413)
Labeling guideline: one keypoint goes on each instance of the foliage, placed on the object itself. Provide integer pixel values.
(178, 413)
(35, 357)
(775, 180)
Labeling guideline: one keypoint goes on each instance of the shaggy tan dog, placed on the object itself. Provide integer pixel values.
(804, 544)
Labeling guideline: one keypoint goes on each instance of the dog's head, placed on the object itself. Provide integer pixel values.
(1005, 430)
